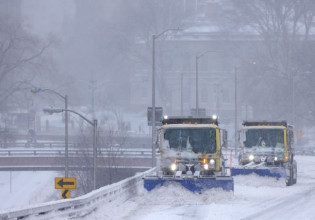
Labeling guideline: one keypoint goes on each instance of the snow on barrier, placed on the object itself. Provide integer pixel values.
(80, 205)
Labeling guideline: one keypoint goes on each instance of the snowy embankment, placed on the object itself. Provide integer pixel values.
(254, 198)
(21, 189)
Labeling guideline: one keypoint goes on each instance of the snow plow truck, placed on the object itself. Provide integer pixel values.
(190, 154)
(267, 149)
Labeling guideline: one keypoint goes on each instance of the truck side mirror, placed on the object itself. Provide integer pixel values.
(238, 135)
(224, 138)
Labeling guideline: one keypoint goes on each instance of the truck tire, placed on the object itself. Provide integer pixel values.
(294, 172)
(289, 179)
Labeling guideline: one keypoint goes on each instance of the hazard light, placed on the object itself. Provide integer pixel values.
(204, 161)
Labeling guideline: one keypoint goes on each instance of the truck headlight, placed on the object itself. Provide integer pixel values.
(251, 157)
(206, 166)
(212, 161)
(276, 158)
(173, 166)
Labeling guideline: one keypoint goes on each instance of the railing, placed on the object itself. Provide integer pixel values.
(37, 144)
(106, 152)
(75, 152)
(81, 205)
(306, 151)
(128, 144)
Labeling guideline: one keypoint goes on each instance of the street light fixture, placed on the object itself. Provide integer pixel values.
(94, 124)
(154, 37)
(197, 95)
(65, 98)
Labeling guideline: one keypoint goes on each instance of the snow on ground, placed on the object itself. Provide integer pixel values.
(27, 188)
(254, 198)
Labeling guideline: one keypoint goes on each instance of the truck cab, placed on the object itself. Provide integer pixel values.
(191, 146)
(270, 144)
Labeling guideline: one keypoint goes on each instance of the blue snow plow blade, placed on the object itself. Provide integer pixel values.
(277, 172)
(194, 185)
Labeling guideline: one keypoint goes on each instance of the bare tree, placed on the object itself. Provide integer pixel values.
(111, 138)
(84, 163)
(279, 54)
(21, 59)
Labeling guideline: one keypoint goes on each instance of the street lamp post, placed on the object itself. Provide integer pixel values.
(181, 94)
(94, 124)
(65, 98)
(197, 89)
(154, 37)
(66, 138)
(235, 100)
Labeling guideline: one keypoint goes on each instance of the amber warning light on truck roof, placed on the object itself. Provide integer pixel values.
(265, 123)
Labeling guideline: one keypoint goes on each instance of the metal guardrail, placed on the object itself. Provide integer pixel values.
(73, 152)
(53, 144)
(76, 206)
(134, 153)
(106, 152)
(303, 151)
(37, 144)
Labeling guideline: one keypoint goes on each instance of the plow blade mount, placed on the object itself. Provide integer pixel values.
(277, 172)
(194, 185)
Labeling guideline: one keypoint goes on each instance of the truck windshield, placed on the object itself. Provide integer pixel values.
(264, 138)
(198, 140)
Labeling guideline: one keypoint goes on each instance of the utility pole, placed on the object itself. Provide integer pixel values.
(235, 98)
(197, 96)
(153, 100)
(218, 98)
(93, 88)
(293, 100)
(94, 153)
(181, 94)
(66, 137)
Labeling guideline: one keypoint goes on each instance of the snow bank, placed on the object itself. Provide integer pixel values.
(27, 188)
(254, 197)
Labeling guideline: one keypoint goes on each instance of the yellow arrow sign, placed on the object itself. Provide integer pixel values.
(65, 183)
(65, 193)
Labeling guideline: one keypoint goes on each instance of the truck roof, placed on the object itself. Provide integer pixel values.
(263, 127)
(189, 126)
(190, 120)
(265, 123)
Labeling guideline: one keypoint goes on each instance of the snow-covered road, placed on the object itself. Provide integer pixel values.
(254, 198)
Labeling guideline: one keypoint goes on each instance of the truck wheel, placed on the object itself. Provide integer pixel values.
(294, 172)
(289, 179)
